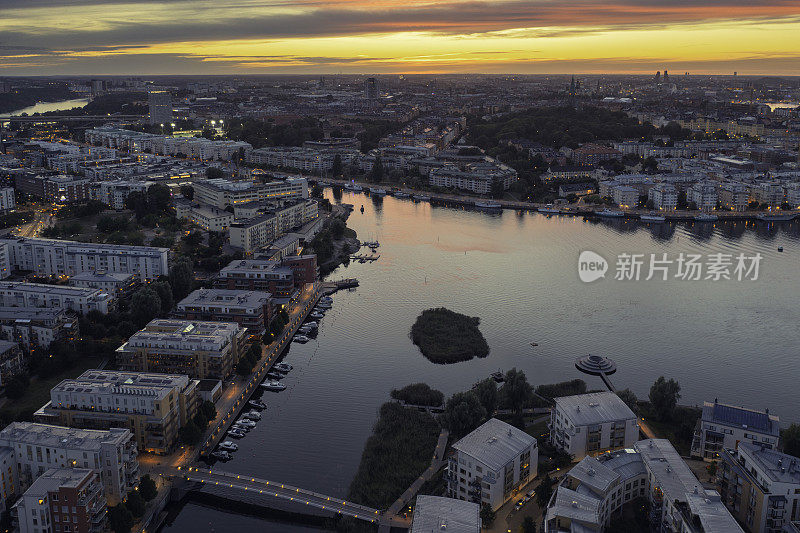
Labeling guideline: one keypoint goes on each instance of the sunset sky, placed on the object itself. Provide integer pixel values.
(394, 36)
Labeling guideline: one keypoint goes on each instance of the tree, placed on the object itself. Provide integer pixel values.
(190, 433)
(120, 519)
(664, 396)
(376, 175)
(529, 525)
(336, 166)
(337, 228)
(316, 191)
(164, 292)
(790, 437)
(516, 392)
(711, 468)
(544, 492)
(497, 189)
(487, 515)
(147, 488)
(17, 386)
(463, 413)
(630, 399)
(682, 200)
(650, 164)
(214, 173)
(159, 198)
(486, 391)
(187, 191)
(145, 305)
(181, 277)
(208, 409)
(135, 504)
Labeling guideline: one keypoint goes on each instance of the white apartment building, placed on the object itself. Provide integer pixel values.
(767, 193)
(307, 159)
(193, 147)
(596, 488)
(260, 231)
(734, 196)
(221, 193)
(760, 487)
(39, 447)
(477, 177)
(703, 194)
(5, 260)
(625, 196)
(436, 514)
(7, 200)
(726, 426)
(664, 196)
(792, 192)
(51, 257)
(210, 218)
(80, 300)
(114, 193)
(113, 283)
(491, 464)
(587, 424)
(33, 327)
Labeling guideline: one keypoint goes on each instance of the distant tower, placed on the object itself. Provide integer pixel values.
(666, 76)
(321, 83)
(735, 73)
(160, 104)
(98, 87)
(572, 86)
(658, 76)
(371, 89)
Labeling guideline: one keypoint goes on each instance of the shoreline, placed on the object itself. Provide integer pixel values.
(629, 214)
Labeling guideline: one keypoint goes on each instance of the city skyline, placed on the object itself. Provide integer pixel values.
(46, 37)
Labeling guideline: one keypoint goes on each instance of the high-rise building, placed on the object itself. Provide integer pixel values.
(160, 103)
(371, 89)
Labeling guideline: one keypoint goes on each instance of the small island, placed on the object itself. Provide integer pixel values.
(444, 336)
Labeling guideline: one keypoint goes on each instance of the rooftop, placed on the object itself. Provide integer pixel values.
(437, 514)
(495, 443)
(779, 467)
(56, 478)
(741, 417)
(62, 437)
(594, 408)
(238, 298)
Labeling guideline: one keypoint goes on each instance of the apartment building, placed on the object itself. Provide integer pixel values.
(33, 327)
(114, 193)
(5, 261)
(587, 424)
(153, 406)
(7, 199)
(221, 193)
(770, 194)
(262, 230)
(113, 283)
(597, 488)
(760, 487)
(196, 349)
(192, 147)
(664, 196)
(51, 257)
(477, 177)
(249, 309)
(726, 426)
(703, 194)
(734, 196)
(54, 189)
(20, 294)
(12, 361)
(434, 513)
(257, 275)
(307, 159)
(792, 192)
(40, 447)
(210, 218)
(68, 500)
(591, 154)
(625, 196)
(491, 464)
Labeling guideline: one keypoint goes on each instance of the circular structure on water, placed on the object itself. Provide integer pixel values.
(595, 365)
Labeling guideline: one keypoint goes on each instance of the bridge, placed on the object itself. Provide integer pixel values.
(281, 490)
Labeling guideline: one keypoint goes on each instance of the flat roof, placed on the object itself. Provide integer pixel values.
(437, 514)
(741, 417)
(594, 408)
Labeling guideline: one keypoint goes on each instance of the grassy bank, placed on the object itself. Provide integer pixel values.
(444, 336)
(399, 450)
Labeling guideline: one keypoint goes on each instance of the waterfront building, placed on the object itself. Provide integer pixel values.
(597, 488)
(51, 257)
(760, 486)
(153, 406)
(36, 327)
(255, 233)
(664, 196)
(39, 447)
(249, 309)
(159, 103)
(436, 514)
(625, 196)
(703, 194)
(113, 283)
(63, 500)
(280, 278)
(491, 464)
(587, 424)
(21, 294)
(197, 349)
(306, 159)
(792, 192)
(734, 196)
(725, 426)
(578, 189)
(222, 193)
(477, 177)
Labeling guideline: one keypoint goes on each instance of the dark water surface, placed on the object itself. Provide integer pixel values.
(735, 340)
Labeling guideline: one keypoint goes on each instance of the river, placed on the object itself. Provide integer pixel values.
(45, 107)
(518, 272)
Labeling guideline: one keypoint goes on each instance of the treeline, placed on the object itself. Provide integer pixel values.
(28, 96)
(444, 336)
(260, 133)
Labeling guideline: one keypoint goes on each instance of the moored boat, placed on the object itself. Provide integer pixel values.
(483, 204)
(706, 217)
(549, 209)
(275, 386)
(767, 217)
(228, 446)
(610, 213)
(421, 197)
(652, 217)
